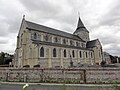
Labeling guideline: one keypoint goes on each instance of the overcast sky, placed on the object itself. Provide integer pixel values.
(101, 18)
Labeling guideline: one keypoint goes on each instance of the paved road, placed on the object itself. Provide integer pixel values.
(13, 86)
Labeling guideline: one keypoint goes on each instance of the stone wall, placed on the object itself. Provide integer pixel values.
(103, 75)
(77, 75)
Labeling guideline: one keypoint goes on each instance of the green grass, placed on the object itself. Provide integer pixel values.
(114, 87)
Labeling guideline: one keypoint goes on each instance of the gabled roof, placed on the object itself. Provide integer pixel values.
(80, 26)
(91, 44)
(38, 27)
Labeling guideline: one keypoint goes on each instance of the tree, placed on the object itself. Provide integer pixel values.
(5, 58)
(2, 57)
(113, 59)
(103, 63)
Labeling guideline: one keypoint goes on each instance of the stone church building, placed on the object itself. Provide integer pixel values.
(48, 47)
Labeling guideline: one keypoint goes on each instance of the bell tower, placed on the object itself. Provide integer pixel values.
(81, 31)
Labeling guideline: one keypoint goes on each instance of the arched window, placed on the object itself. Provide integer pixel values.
(39, 36)
(80, 54)
(73, 53)
(46, 37)
(54, 52)
(42, 52)
(91, 55)
(77, 44)
(65, 53)
(64, 41)
(86, 55)
(82, 45)
(71, 42)
(35, 36)
(55, 39)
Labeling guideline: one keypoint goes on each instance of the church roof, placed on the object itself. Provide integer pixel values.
(91, 44)
(38, 27)
(80, 26)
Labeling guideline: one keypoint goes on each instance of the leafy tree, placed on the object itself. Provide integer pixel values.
(113, 59)
(2, 57)
(5, 58)
(103, 63)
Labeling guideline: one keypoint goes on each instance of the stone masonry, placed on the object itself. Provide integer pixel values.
(79, 75)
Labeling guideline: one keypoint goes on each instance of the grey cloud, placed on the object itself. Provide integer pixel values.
(113, 50)
(14, 25)
(110, 39)
(64, 14)
(3, 42)
(113, 16)
(41, 6)
(11, 18)
(48, 10)
(111, 20)
(3, 29)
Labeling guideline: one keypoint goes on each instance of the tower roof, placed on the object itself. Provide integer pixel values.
(80, 26)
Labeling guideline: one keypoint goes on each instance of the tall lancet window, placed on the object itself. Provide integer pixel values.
(80, 54)
(54, 52)
(86, 55)
(35, 36)
(73, 53)
(42, 52)
(91, 55)
(65, 53)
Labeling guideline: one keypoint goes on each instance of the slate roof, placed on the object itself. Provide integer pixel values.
(80, 26)
(91, 44)
(38, 27)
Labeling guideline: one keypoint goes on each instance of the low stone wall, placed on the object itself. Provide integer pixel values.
(76, 75)
(41, 75)
(103, 75)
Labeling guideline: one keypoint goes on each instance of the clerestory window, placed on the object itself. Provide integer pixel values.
(35, 36)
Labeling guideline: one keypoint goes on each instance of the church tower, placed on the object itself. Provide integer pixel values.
(81, 31)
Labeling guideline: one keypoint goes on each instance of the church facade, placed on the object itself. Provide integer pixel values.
(48, 47)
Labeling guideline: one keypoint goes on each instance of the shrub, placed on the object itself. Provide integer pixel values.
(36, 65)
(26, 66)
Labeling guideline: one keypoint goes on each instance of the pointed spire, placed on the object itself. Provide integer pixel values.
(80, 24)
(23, 16)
